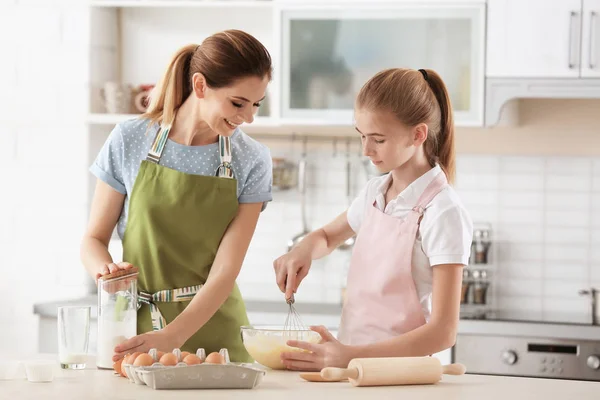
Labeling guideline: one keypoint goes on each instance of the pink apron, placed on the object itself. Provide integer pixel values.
(381, 297)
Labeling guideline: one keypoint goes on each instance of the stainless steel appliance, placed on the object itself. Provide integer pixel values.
(563, 346)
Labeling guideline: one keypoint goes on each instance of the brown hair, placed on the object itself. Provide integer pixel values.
(222, 58)
(416, 97)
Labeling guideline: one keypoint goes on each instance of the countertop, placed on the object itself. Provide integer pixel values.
(92, 383)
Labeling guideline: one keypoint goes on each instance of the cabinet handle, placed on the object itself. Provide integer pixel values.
(593, 16)
(572, 17)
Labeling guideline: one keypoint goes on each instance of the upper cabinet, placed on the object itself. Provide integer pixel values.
(541, 39)
(329, 51)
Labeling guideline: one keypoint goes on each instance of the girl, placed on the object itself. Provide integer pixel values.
(413, 233)
(186, 229)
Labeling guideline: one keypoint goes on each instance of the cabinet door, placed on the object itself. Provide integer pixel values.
(590, 42)
(533, 38)
(329, 53)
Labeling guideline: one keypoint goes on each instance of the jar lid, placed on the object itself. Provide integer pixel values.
(122, 273)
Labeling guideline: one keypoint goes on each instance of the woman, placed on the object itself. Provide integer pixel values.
(413, 233)
(186, 187)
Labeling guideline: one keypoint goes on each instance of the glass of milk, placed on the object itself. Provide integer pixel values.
(73, 336)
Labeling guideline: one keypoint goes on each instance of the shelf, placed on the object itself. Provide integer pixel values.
(113, 119)
(182, 3)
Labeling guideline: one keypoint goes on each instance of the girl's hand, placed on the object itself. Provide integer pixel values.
(328, 353)
(290, 270)
(159, 340)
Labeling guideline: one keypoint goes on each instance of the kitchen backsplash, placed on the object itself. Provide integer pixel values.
(544, 213)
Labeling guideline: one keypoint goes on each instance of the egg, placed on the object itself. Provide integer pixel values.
(159, 355)
(215, 358)
(143, 360)
(117, 366)
(192, 359)
(184, 354)
(169, 359)
(129, 359)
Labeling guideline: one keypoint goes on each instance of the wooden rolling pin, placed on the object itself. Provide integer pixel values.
(392, 371)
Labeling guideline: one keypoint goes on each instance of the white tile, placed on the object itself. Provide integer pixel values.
(521, 269)
(596, 184)
(520, 303)
(567, 253)
(483, 214)
(568, 270)
(519, 287)
(476, 181)
(563, 288)
(520, 165)
(567, 183)
(521, 216)
(35, 19)
(523, 182)
(76, 26)
(519, 233)
(569, 166)
(519, 199)
(596, 166)
(564, 235)
(561, 305)
(595, 254)
(568, 201)
(476, 163)
(478, 198)
(568, 218)
(510, 252)
(595, 237)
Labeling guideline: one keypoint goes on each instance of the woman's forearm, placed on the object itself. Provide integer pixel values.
(94, 255)
(316, 244)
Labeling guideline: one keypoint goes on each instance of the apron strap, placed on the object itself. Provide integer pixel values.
(165, 296)
(434, 187)
(224, 170)
(158, 145)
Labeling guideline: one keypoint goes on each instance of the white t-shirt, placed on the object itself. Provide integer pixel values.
(444, 235)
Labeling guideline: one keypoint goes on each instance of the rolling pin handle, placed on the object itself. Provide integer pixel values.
(454, 369)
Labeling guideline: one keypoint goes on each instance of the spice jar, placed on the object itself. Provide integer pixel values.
(117, 313)
(466, 286)
(480, 286)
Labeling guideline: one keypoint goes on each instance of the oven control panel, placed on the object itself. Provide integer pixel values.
(526, 356)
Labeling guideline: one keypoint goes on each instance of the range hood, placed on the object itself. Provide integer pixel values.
(500, 107)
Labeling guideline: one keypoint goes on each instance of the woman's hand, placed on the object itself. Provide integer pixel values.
(119, 284)
(291, 269)
(328, 353)
(159, 340)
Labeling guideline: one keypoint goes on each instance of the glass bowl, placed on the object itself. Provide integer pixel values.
(266, 343)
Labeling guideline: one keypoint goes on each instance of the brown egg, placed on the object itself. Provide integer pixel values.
(117, 366)
(159, 355)
(169, 359)
(192, 359)
(214, 358)
(184, 354)
(129, 359)
(143, 360)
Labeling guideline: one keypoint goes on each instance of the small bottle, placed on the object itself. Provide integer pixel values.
(479, 247)
(480, 287)
(466, 285)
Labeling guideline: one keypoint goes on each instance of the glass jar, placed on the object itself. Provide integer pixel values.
(117, 313)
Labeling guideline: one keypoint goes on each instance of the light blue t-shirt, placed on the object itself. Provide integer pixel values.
(119, 161)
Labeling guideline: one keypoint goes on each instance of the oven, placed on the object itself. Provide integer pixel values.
(550, 348)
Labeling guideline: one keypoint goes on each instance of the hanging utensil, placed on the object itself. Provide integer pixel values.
(348, 243)
(302, 187)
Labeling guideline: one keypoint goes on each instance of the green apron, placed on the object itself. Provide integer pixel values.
(175, 225)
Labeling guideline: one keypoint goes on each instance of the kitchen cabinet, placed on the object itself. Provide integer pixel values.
(536, 39)
(329, 51)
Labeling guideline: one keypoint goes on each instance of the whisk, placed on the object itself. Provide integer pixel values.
(293, 322)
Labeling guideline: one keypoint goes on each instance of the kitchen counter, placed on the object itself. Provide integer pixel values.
(92, 383)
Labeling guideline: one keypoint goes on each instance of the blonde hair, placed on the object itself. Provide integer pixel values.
(416, 97)
(222, 59)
